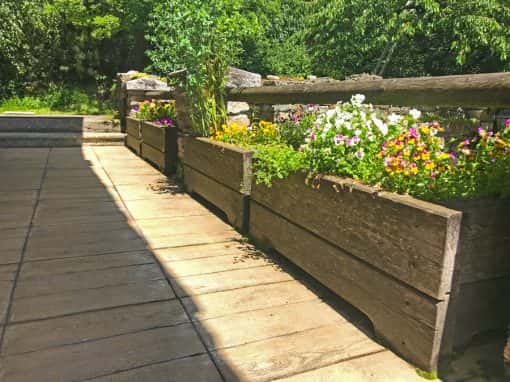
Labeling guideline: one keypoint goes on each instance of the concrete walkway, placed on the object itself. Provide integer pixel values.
(108, 272)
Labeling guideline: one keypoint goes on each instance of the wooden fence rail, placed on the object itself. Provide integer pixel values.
(469, 91)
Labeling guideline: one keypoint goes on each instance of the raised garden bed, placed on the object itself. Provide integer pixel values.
(134, 134)
(429, 277)
(221, 174)
(154, 143)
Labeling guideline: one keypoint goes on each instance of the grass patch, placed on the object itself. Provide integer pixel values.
(64, 100)
(427, 375)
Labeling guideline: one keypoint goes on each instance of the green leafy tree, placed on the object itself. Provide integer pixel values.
(421, 37)
(205, 39)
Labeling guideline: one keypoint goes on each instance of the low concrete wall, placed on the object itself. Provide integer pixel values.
(41, 123)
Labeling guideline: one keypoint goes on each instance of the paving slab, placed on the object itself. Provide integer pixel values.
(94, 358)
(54, 305)
(37, 269)
(167, 192)
(154, 209)
(123, 241)
(18, 196)
(98, 192)
(5, 293)
(240, 260)
(89, 326)
(222, 281)
(11, 245)
(230, 331)
(299, 352)
(191, 252)
(196, 369)
(379, 367)
(67, 282)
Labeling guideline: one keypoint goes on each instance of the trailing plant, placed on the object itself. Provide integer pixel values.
(276, 161)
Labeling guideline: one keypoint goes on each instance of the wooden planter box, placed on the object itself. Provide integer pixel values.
(159, 146)
(221, 174)
(154, 143)
(427, 277)
(134, 134)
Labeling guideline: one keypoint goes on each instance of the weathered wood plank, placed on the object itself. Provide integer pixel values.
(134, 127)
(134, 144)
(408, 320)
(154, 156)
(227, 164)
(478, 90)
(411, 240)
(232, 203)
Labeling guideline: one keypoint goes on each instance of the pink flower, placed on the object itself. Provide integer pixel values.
(433, 175)
(313, 137)
(507, 122)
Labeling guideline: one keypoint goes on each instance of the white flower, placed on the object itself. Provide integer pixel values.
(330, 113)
(383, 128)
(416, 114)
(357, 132)
(394, 118)
(360, 153)
(358, 99)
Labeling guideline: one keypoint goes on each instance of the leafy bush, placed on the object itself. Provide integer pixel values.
(205, 39)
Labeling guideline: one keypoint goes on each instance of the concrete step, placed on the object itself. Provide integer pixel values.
(15, 123)
(59, 139)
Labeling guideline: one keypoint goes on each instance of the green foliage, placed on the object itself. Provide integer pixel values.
(432, 37)
(57, 100)
(295, 128)
(204, 38)
(77, 41)
(276, 161)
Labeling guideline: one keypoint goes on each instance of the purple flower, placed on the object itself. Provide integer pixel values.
(313, 137)
(339, 139)
(507, 122)
(136, 108)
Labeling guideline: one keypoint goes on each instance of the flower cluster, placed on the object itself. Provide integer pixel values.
(262, 132)
(416, 150)
(154, 110)
(347, 138)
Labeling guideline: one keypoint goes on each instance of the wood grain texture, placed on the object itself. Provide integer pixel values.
(409, 321)
(476, 90)
(134, 144)
(232, 203)
(226, 164)
(133, 127)
(411, 240)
